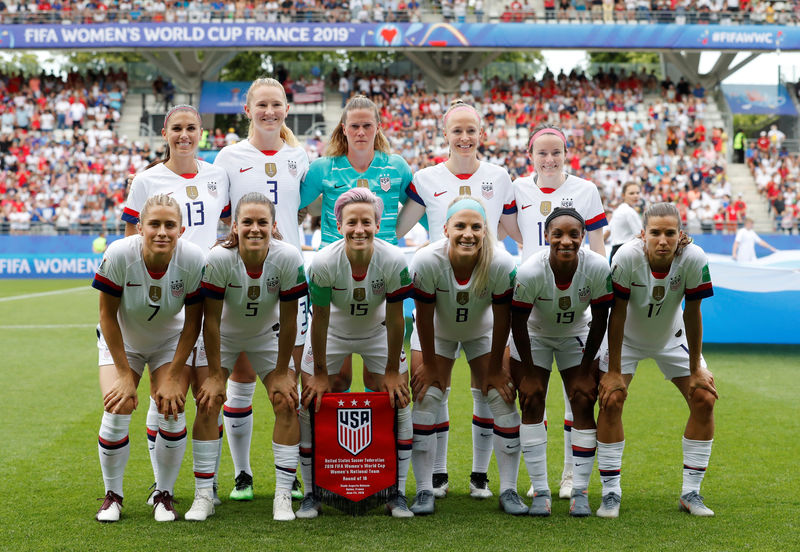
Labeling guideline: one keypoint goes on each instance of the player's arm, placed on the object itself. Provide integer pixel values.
(170, 396)
(283, 382)
(596, 242)
(409, 215)
(395, 384)
(318, 384)
(124, 388)
(130, 229)
(612, 380)
(735, 249)
(426, 375)
(497, 377)
(508, 223)
(699, 377)
(597, 330)
(213, 389)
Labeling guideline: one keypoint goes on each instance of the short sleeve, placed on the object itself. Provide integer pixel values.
(698, 277)
(110, 275)
(424, 275)
(216, 275)
(598, 214)
(503, 282)
(137, 196)
(621, 276)
(602, 288)
(525, 290)
(406, 177)
(311, 187)
(320, 286)
(509, 202)
(293, 276)
(397, 278)
(194, 280)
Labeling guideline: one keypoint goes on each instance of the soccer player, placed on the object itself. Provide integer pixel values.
(252, 284)
(626, 224)
(568, 290)
(358, 284)
(145, 280)
(431, 192)
(536, 196)
(456, 281)
(201, 191)
(272, 162)
(744, 245)
(651, 278)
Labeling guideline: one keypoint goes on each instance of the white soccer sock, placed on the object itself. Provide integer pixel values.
(568, 419)
(405, 438)
(423, 418)
(152, 431)
(506, 439)
(285, 465)
(584, 446)
(442, 435)
(204, 462)
(533, 438)
(609, 464)
(170, 447)
(238, 411)
(221, 425)
(695, 461)
(114, 448)
(482, 430)
(305, 450)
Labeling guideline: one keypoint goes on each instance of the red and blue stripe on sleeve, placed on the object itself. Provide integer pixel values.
(596, 222)
(104, 284)
(400, 294)
(621, 291)
(129, 215)
(298, 291)
(700, 292)
(193, 298)
(510, 208)
(412, 193)
(211, 291)
(504, 297)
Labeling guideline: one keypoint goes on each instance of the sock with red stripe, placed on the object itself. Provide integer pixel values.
(114, 448)
(305, 449)
(506, 439)
(423, 418)
(695, 461)
(568, 419)
(482, 431)
(584, 446)
(405, 434)
(170, 447)
(609, 463)
(285, 465)
(533, 438)
(152, 431)
(238, 411)
(442, 435)
(204, 454)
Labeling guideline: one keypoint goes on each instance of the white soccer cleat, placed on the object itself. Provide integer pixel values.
(202, 507)
(152, 493)
(282, 506)
(610, 506)
(531, 492)
(441, 485)
(164, 510)
(479, 485)
(565, 490)
(692, 503)
(110, 510)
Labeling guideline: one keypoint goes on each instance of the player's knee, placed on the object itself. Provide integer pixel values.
(126, 410)
(702, 401)
(281, 406)
(582, 398)
(614, 403)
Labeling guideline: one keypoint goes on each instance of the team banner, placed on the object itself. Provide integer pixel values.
(754, 99)
(354, 451)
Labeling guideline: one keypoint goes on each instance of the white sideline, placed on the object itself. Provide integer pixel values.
(46, 326)
(42, 294)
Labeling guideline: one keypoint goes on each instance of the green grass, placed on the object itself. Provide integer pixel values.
(51, 409)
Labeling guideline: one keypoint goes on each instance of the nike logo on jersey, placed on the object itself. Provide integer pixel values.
(638, 285)
(543, 299)
(245, 170)
(233, 286)
(442, 290)
(339, 289)
(526, 206)
(128, 284)
(437, 194)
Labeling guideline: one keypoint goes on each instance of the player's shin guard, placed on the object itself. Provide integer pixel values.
(506, 439)
(584, 445)
(405, 434)
(695, 461)
(482, 430)
(152, 431)
(609, 464)
(305, 449)
(423, 418)
(114, 448)
(238, 414)
(568, 419)
(204, 462)
(170, 447)
(442, 435)
(533, 438)
(285, 465)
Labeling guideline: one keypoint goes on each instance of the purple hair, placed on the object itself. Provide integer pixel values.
(358, 195)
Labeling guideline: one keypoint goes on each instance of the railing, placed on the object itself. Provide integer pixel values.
(51, 229)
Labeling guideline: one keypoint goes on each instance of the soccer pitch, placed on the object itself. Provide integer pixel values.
(51, 412)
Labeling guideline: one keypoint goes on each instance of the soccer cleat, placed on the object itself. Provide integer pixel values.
(202, 507)
(163, 507)
(511, 503)
(565, 488)
(692, 503)
(610, 506)
(579, 503)
(540, 507)
(398, 507)
(297, 490)
(282, 506)
(217, 501)
(310, 508)
(151, 494)
(531, 492)
(110, 510)
(440, 485)
(479, 485)
(423, 504)
(244, 487)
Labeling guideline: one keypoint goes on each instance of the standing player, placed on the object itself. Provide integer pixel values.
(456, 280)
(744, 245)
(626, 224)
(651, 278)
(252, 284)
(145, 282)
(431, 191)
(559, 286)
(201, 191)
(536, 196)
(272, 162)
(357, 288)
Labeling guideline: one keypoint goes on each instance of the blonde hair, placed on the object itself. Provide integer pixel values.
(286, 133)
(337, 145)
(458, 104)
(480, 274)
(160, 200)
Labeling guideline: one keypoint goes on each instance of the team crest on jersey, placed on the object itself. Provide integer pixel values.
(584, 294)
(176, 287)
(659, 292)
(154, 293)
(386, 183)
(354, 429)
(545, 207)
(378, 287)
(359, 294)
(212, 188)
(464, 190)
(273, 285)
(362, 183)
(253, 292)
(271, 169)
(564, 302)
(462, 297)
(292, 167)
(192, 192)
(567, 202)
(487, 190)
(675, 282)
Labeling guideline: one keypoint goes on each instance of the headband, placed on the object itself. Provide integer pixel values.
(553, 131)
(180, 107)
(564, 211)
(467, 203)
(458, 107)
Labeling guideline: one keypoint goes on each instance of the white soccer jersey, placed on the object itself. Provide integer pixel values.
(655, 316)
(151, 307)
(561, 312)
(277, 175)
(436, 187)
(250, 308)
(626, 224)
(203, 199)
(462, 314)
(535, 203)
(358, 306)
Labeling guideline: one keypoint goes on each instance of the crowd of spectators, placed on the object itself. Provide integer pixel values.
(777, 176)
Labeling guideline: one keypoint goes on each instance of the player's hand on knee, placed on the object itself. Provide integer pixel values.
(502, 383)
(120, 396)
(421, 381)
(396, 385)
(286, 387)
(610, 383)
(702, 378)
(211, 395)
(317, 386)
